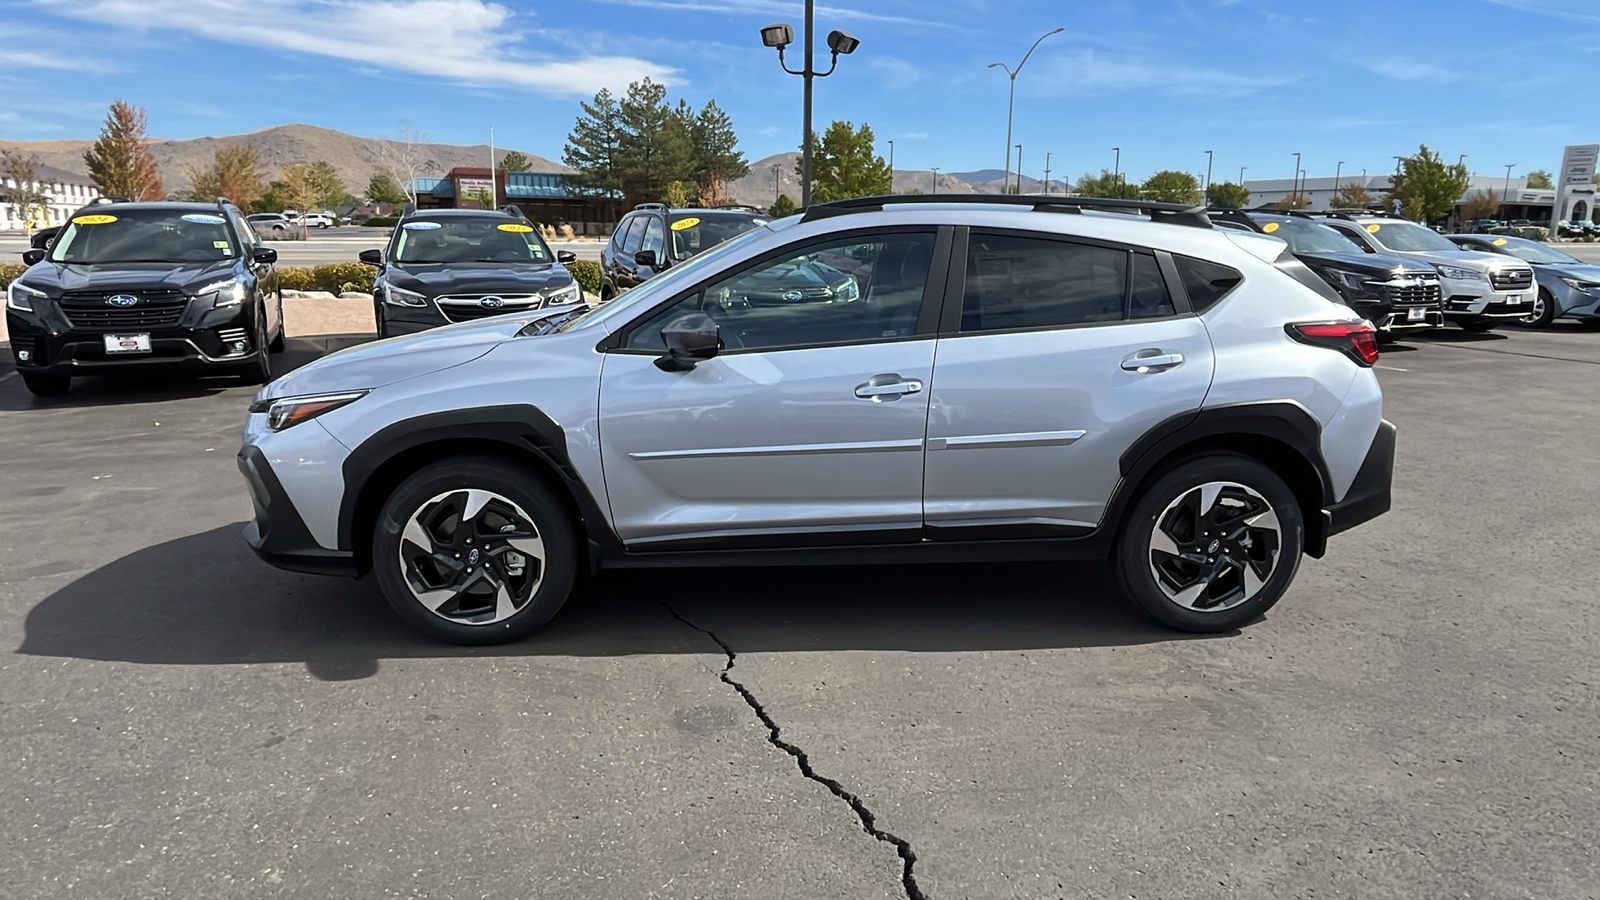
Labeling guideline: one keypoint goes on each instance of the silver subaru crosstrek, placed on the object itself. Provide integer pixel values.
(901, 379)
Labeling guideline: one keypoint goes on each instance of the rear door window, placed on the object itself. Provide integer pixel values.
(1017, 282)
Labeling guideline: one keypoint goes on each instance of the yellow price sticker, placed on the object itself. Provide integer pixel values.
(681, 224)
(517, 228)
(1499, 242)
(1270, 227)
(1374, 227)
(94, 220)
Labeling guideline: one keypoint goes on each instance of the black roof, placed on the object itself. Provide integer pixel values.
(191, 205)
(460, 214)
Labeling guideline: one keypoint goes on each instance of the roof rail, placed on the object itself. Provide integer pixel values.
(1169, 213)
(744, 206)
(1233, 215)
(409, 209)
(511, 209)
(222, 205)
(661, 206)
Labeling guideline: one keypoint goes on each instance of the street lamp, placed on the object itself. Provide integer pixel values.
(1012, 103)
(1019, 168)
(1507, 192)
(1207, 188)
(1047, 173)
(936, 179)
(891, 167)
(1116, 165)
(1241, 175)
(1294, 183)
(780, 36)
(775, 193)
(1337, 170)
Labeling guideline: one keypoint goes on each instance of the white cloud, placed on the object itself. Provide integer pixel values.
(1402, 69)
(28, 59)
(471, 41)
(1092, 72)
(767, 7)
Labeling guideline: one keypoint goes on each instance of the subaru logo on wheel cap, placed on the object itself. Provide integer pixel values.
(122, 300)
(491, 303)
(792, 296)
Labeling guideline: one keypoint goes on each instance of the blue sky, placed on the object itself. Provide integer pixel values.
(1254, 80)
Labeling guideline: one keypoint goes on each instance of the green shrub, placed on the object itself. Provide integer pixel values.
(335, 278)
(296, 279)
(588, 274)
(10, 272)
(381, 221)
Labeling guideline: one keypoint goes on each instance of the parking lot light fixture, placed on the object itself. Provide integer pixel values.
(1209, 160)
(1116, 165)
(780, 36)
(1011, 104)
(1337, 171)
(1507, 191)
(936, 179)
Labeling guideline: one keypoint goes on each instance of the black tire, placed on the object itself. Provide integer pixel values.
(282, 340)
(259, 369)
(404, 567)
(1226, 600)
(1478, 326)
(46, 385)
(1543, 312)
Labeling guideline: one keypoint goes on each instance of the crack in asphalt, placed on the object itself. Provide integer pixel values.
(908, 857)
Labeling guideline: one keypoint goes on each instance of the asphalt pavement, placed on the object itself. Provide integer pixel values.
(1417, 718)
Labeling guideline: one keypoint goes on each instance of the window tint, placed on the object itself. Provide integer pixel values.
(844, 291)
(655, 237)
(634, 238)
(1018, 282)
(1150, 298)
(1206, 282)
(1349, 235)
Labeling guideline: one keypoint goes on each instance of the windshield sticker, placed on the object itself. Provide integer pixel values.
(516, 228)
(1499, 242)
(94, 220)
(202, 219)
(681, 224)
(220, 245)
(226, 250)
(420, 226)
(1270, 227)
(1374, 227)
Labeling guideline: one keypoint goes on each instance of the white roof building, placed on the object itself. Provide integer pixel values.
(68, 191)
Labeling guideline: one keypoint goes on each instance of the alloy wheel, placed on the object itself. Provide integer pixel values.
(472, 557)
(1215, 546)
(1535, 314)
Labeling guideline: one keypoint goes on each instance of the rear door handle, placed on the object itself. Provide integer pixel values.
(1151, 360)
(888, 387)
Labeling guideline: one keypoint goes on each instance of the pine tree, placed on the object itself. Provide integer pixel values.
(717, 159)
(328, 187)
(120, 161)
(654, 146)
(594, 146)
(784, 207)
(844, 165)
(382, 189)
(514, 161)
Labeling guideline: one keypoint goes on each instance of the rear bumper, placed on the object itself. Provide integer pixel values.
(277, 534)
(1369, 495)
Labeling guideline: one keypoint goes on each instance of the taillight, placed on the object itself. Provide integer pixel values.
(1357, 340)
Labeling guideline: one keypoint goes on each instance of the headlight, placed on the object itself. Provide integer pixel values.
(1355, 281)
(286, 412)
(20, 296)
(224, 293)
(572, 293)
(401, 297)
(1588, 287)
(1456, 274)
(849, 291)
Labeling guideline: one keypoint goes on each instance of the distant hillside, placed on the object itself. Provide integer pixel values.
(355, 158)
(756, 188)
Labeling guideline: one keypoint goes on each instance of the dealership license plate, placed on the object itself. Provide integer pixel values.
(1514, 299)
(1416, 315)
(127, 343)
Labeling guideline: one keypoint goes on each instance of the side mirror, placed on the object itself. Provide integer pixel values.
(646, 258)
(566, 256)
(266, 255)
(689, 338)
(371, 257)
(32, 257)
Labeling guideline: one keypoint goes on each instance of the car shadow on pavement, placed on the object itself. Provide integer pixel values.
(1462, 336)
(206, 600)
(130, 386)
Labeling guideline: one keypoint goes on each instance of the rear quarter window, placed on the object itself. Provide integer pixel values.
(1207, 282)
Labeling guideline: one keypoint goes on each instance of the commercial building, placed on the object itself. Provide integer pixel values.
(67, 191)
(1518, 201)
(551, 197)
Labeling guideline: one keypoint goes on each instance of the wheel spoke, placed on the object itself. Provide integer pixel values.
(466, 582)
(504, 605)
(1189, 595)
(1161, 542)
(476, 501)
(1208, 496)
(433, 600)
(419, 536)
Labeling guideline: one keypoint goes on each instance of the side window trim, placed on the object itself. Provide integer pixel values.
(617, 341)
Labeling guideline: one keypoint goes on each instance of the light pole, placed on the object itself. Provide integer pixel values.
(891, 167)
(936, 179)
(1019, 168)
(1294, 183)
(775, 191)
(1047, 173)
(1337, 170)
(1116, 166)
(780, 36)
(1012, 103)
(1507, 191)
(1241, 175)
(1299, 194)
(1207, 188)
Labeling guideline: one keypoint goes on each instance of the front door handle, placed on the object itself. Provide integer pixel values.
(1152, 360)
(887, 387)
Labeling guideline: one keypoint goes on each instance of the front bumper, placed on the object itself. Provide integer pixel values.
(1575, 304)
(46, 342)
(1479, 301)
(1369, 495)
(277, 534)
(1402, 320)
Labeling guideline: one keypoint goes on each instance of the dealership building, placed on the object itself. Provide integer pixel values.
(543, 197)
(66, 191)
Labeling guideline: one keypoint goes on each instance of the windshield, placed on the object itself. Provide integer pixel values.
(468, 240)
(666, 282)
(1533, 251)
(145, 235)
(695, 233)
(1307, 237)
(1409, 237)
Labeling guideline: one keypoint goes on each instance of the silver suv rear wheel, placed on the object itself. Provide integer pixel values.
(1211, 544)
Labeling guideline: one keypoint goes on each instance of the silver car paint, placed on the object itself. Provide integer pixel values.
(1471, 260)
(1569, 300)
(483, 364)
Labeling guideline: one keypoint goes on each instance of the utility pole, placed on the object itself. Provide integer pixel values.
(891, 167)
(936, 179)
(1116, 167)
(1047, 173)
(494, 183)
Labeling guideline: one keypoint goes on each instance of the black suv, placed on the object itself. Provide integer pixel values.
(1395, 294)
(146, 284)
(455, 265)
(640, 247)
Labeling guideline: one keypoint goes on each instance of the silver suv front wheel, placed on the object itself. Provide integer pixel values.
(475, 551)
(1211, 544)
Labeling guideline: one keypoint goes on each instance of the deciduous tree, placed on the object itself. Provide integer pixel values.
(1426, 187)
(1103, 185)
(1484, 204)
(120, 161)
(234, 173)
(1352, 196)
(1293, 201)
(1539, 180)
(299, 188)
(1227, 195)
(405, 159)
(844, 164)
(1170, 186)
(783, 207)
